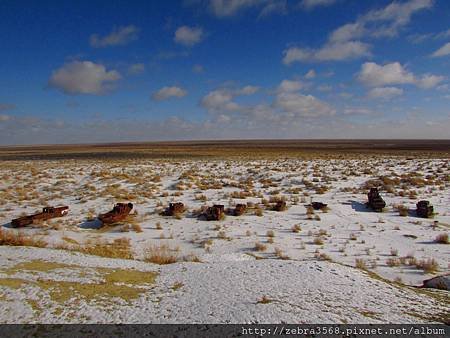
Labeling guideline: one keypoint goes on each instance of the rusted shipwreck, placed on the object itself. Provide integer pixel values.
(117, 214)
(239, 209)
(279, 206)
(318, 205)
(174, 209)
(214, 213)
(375, 202)
(46, 214)
(424, 209)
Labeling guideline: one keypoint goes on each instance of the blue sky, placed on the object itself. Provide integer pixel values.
(101, 71)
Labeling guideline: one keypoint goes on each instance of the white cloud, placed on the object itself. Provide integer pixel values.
(219, 100)
(443, 51)
(274, 6)
(287, 86)
(169, 92)
(324, 88)
(429, 81)
(222, 99)
(374, 75)
(223, 8)
(294, 54)
(342, 51)
(443, 88)
(385, 93)
(188, 36)
(345, 43)
(329, 52)
(311, 4)
(347, 32)
(357, 111)
(229, 8)
(136, 69)
(248, 90)
(311, 74)
(296, 104)
(387, 22)
(119, 36)
(443, 35)
(83, 77)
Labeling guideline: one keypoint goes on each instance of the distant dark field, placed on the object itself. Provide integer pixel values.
(220, 149)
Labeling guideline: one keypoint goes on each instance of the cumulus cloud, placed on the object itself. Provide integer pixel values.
(429, 81)
(83, 77)
(288, 106)
(188, 36)
(136, 69)
(385, 93)
(169, 92)
(222, 99)
(374, 75)
(119, 36)
(311, 4)
(287, 86)
(357, 111)
(329, 52)
(344, 43)
(247, 90)
(223, 8)
(274, 6)
(387, 22)
(296, 104)
(311, 74)
(229, 8)
(443, 51)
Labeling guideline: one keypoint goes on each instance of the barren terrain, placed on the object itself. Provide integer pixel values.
(342, 264)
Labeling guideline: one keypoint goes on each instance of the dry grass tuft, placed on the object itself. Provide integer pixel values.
(260, 246)
(296, 228)
(442, 239)
(264, 300)
(360, 264)
(19, 239)
(429, 265)
(119, 248)
(160, 254)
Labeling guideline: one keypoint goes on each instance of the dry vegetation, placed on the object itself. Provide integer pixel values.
(258, 178)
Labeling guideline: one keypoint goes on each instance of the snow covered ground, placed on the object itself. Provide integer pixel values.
(301, 262)
(231, 291)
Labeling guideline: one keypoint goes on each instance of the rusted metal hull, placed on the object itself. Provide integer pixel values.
(214, 213)
(376, 203)
(424, 209)
(174, 209)
(318, 205)
(280, 206)
(117, 214)
(46, 214)
(239, 209)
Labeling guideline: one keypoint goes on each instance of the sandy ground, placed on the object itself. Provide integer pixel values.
(306, 274)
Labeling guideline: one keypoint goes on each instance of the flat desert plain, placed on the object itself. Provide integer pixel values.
(344, 263)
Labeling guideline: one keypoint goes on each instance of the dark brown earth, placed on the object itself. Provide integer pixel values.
(250, 148)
